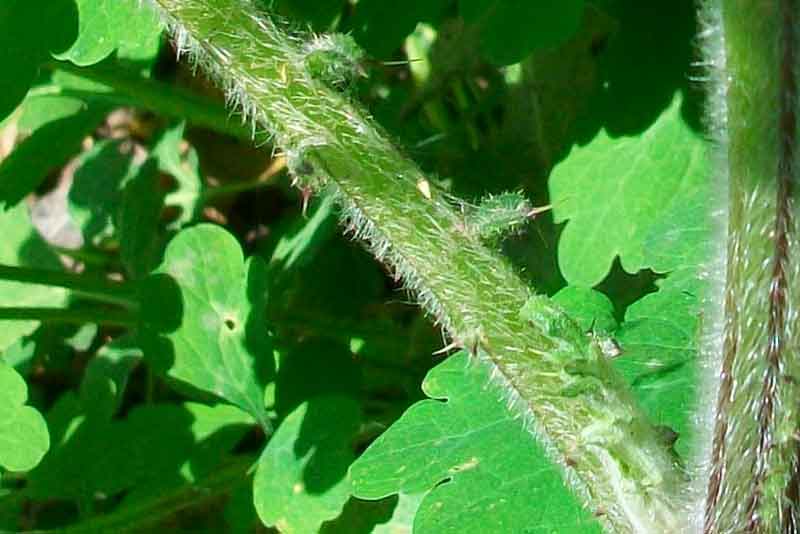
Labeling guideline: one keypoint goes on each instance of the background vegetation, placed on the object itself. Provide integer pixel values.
(120, 165)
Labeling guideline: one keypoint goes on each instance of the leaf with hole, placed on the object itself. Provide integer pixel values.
(204, 321)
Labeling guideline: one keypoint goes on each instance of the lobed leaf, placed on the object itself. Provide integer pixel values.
(613, 192)
(106, 26)
(475, 462)
(23, 432)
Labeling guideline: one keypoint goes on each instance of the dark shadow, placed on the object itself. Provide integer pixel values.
(97, 187)
(361, 517)
(624, 288)
(257, 337)
(47, 148)
(645, 62)
(314, 368)
(323, 374)
(161, 314)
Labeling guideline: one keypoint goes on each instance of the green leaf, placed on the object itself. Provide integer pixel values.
(678, 243)
(380, 26)
(156, 446)
(29, 31)
(188, 194)
(108, 25)
(614, 191)
(21, 245)
(94, 197)
(649, 44)
(476, 462)
(394, 515)
(204, 317)
(38, 110)
(139, 38)
(589, 308)
(106, 377)
(510, 30)
(216, 430)
(301, 478)
(659, 338)
(23, 432)
(304, 237)
(660, 332)
(140, 241)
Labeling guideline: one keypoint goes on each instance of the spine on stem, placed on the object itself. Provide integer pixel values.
(556, 377)
(752, 467)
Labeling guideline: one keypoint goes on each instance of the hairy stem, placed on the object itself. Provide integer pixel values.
(555, 377)
(753, 484)
(88, 286)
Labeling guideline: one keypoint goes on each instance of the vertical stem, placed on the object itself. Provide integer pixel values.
(753, 485)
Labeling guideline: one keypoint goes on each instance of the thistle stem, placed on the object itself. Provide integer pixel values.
(623, 472)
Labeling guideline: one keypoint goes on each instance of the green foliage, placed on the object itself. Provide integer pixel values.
(23, 432)
(203, 317)
(32, 30)
(299, 483)
(509, 31)
(263, 370)
(48, 146)
(106, 26)
(22, 246)
(612, 192)
(474, 463)
(380, 27)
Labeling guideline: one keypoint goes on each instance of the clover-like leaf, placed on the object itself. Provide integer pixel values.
(613, 192)
(23, 432)
(511, 30)
(301, 480)
(478, 464)
(204, 317)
